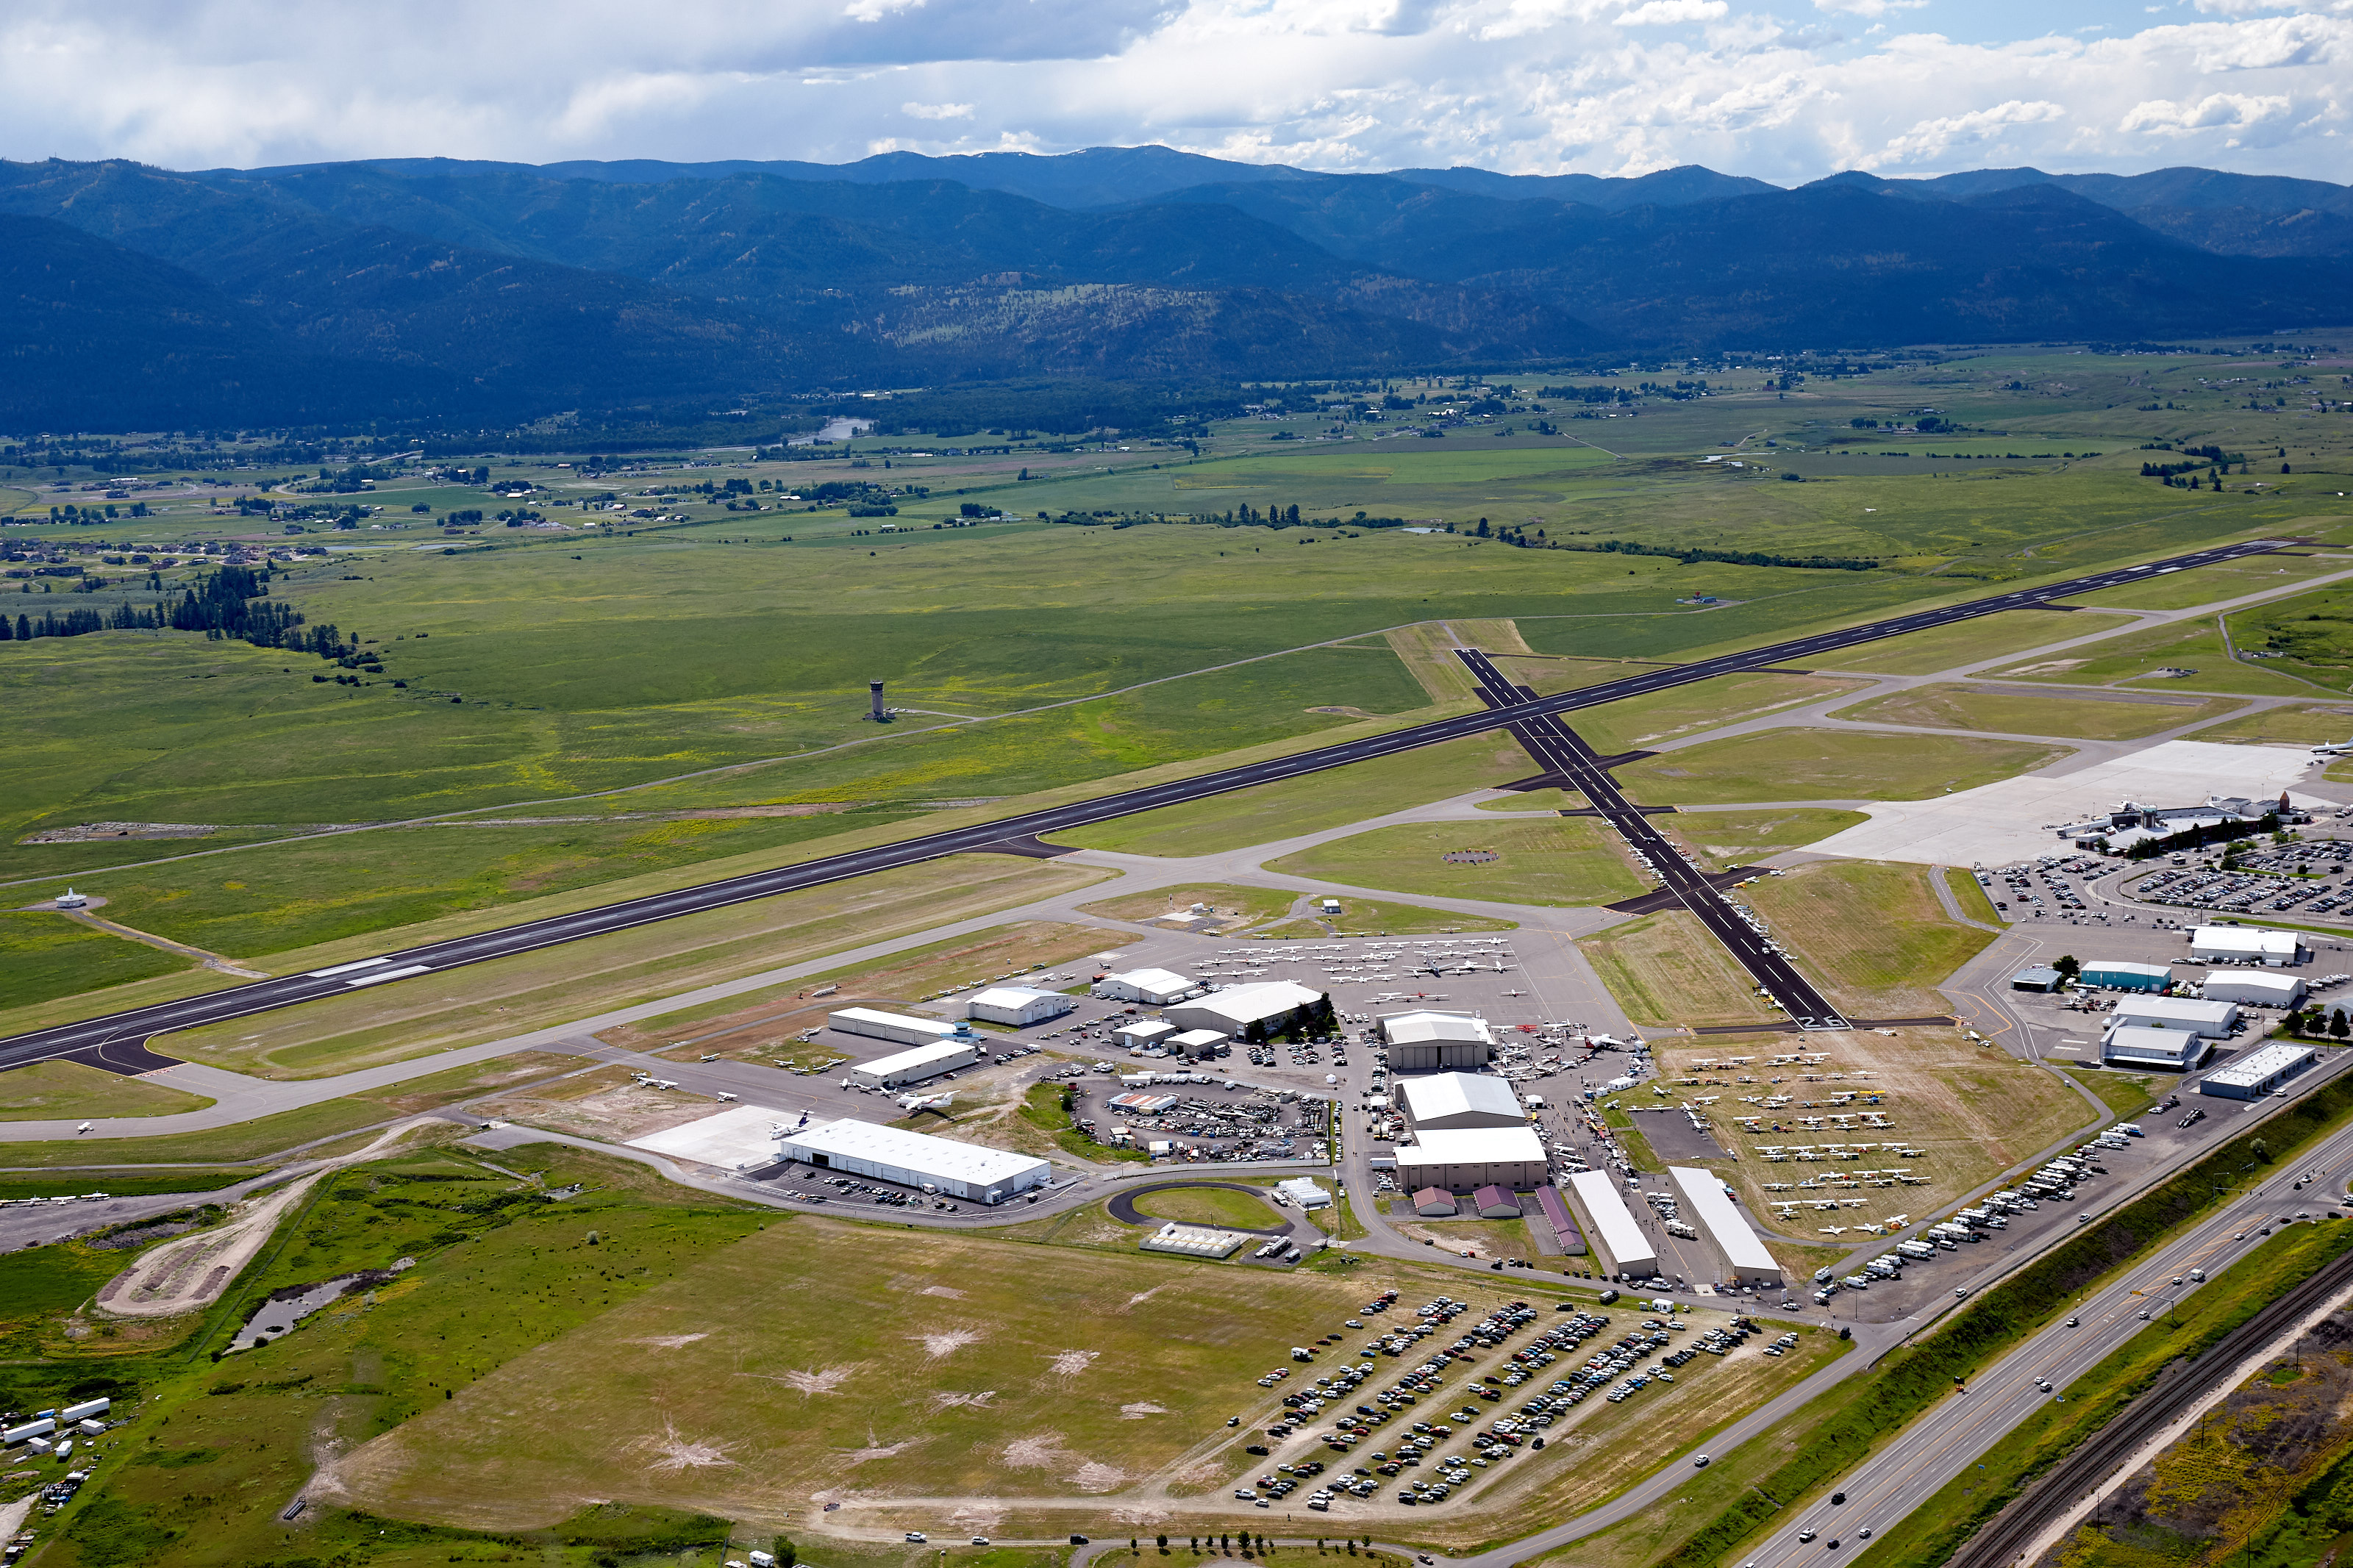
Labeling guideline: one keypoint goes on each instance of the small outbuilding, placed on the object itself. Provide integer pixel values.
(1303, 1191)
(1195, 1044)
(1495, 1203)
(1435, 1203)
(1145, 1032)
(2037, 977)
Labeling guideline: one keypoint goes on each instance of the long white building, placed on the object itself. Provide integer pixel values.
(1743, 1253)
(967, 1171)
(2211, 1019)
(1465, 1159)
(2245, 945)
(902, 1028)
(915, 1065)
(1609, 1223)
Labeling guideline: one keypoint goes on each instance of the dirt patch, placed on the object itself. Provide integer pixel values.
(672, 1452)
(1071, 1364)
(604, 1104)
(670, 1341)
(949, 1341)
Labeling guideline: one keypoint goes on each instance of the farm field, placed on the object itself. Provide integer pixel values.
(1827, 764)
(1567, 860)
(512, 995)
(2118, 718)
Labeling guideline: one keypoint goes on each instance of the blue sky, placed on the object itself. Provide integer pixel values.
(1786, 91)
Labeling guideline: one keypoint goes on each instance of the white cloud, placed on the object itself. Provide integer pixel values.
(1537, 86)
(1931, 141)
(1661, 13)
(2215, 111)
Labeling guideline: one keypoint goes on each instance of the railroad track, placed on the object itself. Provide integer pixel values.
(2004, 1538)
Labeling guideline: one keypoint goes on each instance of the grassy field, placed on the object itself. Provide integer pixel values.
(1723, 839)
(1567, 860)
(44, 956)
(1971, 896)
(1209, 1206)
(2207, 584)
(54, 1091)
(2295, 725)
(1827, 764)
(2306, 635)
(2134, 659)
(1666, 970)
(506, 996)
(1973, 642)
(1975, 1110)
(261, 1139)
(1380, 917)
(1267, 812)
(1233, 905)
(2126, 1094)
(1659, 716)
(1956, 707)
(1873, 933)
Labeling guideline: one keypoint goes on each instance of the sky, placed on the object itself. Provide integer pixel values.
(1786, 91)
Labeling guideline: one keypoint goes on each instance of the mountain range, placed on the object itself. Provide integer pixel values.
(486, 292)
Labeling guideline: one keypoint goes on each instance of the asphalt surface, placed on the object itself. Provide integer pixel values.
(110, 1041)
(1564, 752)
(1917, 1463)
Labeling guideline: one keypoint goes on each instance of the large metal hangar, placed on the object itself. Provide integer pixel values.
(2245, 945)
(1236, 1007)
(1610, 1224)
(1463, 1160)
(1429, 1041)
(967, 1171)
(1153, 987)
(1018, 1006)
(1457, 1099)
(915, 1065)
(1743, 1253)
(902, 1028)
(2212, 1019)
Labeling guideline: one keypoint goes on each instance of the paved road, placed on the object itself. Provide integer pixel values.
(1929, 1452)
(1564, 752)
(112, 1039)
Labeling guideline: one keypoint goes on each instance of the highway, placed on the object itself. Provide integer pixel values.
(1928, 1453)
(1563, 751)
(91, 1039)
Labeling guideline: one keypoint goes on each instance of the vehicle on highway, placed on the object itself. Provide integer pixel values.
(1806, 1535)
(1700, 1463)
(2073, 1321)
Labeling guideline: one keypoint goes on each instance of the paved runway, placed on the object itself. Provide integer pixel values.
(91, 1039)
(1563, 751)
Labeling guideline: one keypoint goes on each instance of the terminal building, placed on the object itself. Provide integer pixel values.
(1437, 1041)
(1457, 1099)
(2131, 822)
(1018, 1006)
(967, 1171)
(1610, 1226)
(2259, 1072)
(1463, 1160)
(1744, 1254)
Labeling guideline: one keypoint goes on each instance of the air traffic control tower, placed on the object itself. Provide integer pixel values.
(874, 710)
